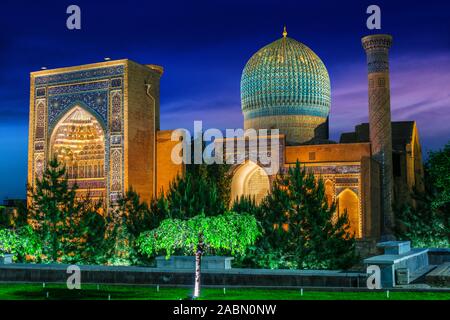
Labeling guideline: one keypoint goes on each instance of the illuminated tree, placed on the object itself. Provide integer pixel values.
(301, 229)
(438, 169)
(69, 228)
(21, 242)
(230, 231)
(427, 222)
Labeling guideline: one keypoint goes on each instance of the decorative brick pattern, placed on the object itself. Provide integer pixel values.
(377, 50)
(39, 163)
(116, 170)
(116, 111)
(39, 133)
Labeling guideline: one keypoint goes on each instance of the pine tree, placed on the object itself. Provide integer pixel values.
(301, 229)
(427, 222)
(130, 217)
(423, 225)
(437, 178)
(216, 174)
(69, 227)
(191, 195)
(245, 204)
(90, 245)
(52, 208)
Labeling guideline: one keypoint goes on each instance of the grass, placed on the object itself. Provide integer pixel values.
(117, 292)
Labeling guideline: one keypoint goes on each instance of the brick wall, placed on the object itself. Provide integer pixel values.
(167, 170)
(141, 123)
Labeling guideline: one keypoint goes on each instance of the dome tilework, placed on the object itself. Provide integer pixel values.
(285, 78)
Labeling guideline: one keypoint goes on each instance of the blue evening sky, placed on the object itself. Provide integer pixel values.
(203, 46)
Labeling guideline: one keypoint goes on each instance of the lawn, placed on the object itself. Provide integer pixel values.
(116, 292)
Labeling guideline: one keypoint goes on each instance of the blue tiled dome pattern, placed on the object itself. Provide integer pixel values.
(285, 78)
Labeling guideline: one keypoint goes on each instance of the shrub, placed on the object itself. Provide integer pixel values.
(23, 243)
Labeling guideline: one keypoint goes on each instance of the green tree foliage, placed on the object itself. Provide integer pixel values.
(423, 225)
(426, 221)
(78, 230)
(438, 170)
(192, 194)
(202, 189)
(230, 231)
(130, 218)
(13, 217)
(246, 204)
(301, 231)
(3, 218)
(69, 229)
(22, 243)
(122, 252)
(89, 244)
(217, 175)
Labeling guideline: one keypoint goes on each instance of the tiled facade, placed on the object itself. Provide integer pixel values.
(123, 97)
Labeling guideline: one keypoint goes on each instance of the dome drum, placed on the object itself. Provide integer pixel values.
(296, 128)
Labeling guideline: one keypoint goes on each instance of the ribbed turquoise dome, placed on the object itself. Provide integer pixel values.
(285, 78)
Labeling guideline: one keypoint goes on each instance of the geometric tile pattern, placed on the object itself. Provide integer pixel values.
(116, 170)
(96, 102)
(116, 109)
(100, 92)
(89, 74)
(287, 80)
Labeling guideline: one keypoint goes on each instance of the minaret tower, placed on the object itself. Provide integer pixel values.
(377, 51)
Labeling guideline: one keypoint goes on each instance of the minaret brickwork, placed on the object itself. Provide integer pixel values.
(377, 51)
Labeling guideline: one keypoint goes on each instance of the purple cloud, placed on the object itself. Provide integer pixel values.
(420, 91)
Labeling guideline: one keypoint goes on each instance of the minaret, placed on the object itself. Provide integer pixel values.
(377, 51)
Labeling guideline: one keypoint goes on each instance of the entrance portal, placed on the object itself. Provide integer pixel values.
(250, 180)
(78, 141)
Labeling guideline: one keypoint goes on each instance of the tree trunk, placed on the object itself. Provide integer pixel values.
(198, 263)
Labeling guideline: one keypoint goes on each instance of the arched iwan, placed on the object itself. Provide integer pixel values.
(78, 142)
(250, 180)
(348, 201)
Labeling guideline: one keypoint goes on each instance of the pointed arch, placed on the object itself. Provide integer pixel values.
(348, 201)
(329, 191)
(251, 180)
(78, 141)
(77, 104)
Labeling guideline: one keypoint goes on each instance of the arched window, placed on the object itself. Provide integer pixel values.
(348, 201)
(329, 192)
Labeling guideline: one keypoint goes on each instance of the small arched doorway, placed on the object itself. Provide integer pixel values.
(349, 201)
(78, 142)
(250, 180)
(329, 192)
